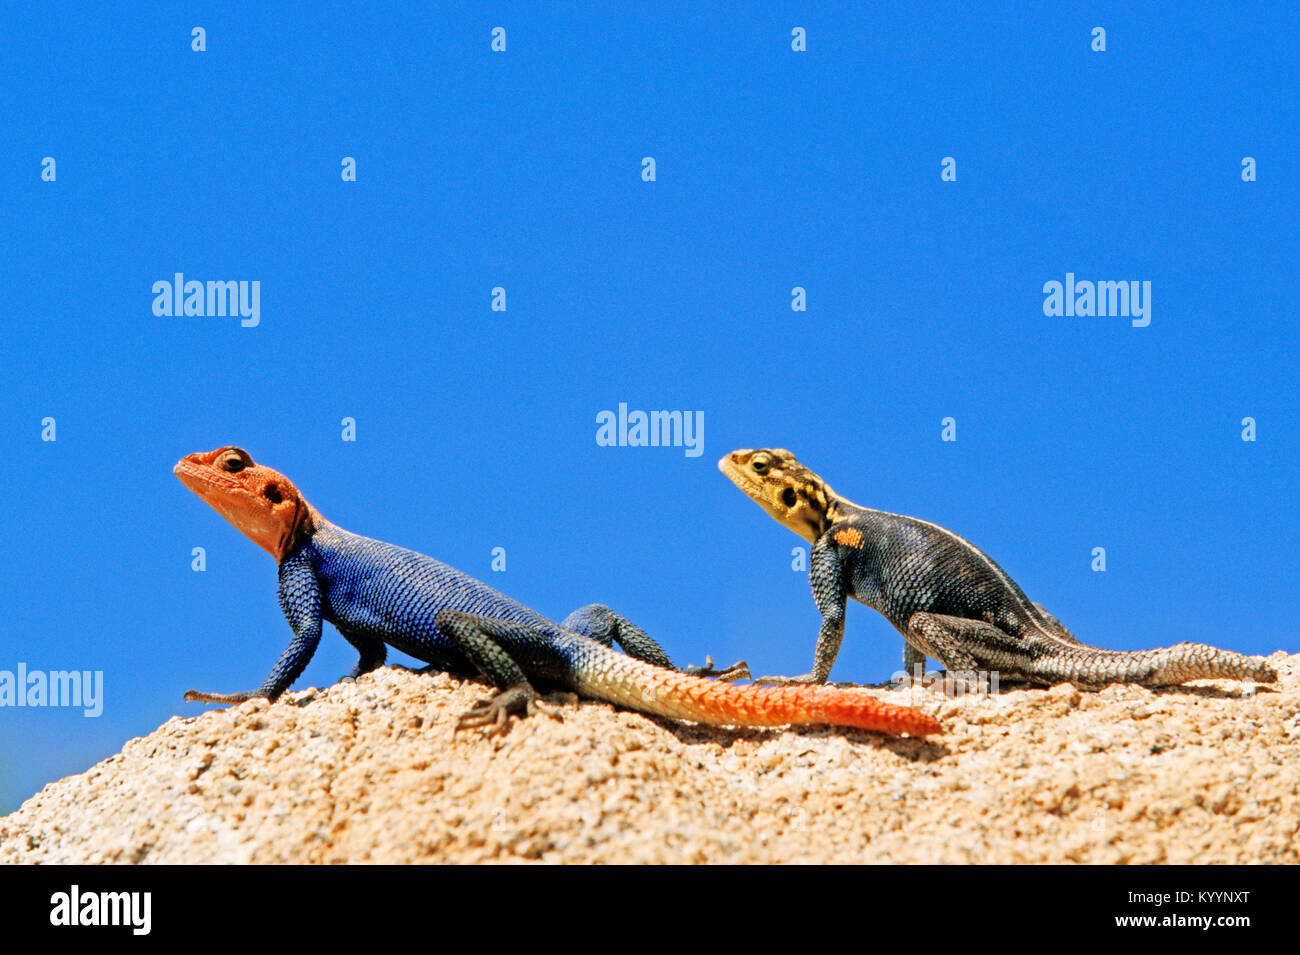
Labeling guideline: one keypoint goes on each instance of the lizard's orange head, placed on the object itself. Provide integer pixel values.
(783, 487)
(261, 502)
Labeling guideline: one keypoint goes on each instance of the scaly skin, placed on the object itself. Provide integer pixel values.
(378, 594)
(947, 598)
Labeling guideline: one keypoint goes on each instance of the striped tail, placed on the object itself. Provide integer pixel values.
(1167, 666)
(640, 686)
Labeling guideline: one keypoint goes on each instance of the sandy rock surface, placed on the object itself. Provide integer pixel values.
(372, 772)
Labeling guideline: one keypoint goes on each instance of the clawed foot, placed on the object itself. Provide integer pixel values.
(947, 682)
(196, 696)
(494, 715)
(908, 679)
(737, 671)
(357, 672)
(786, 680)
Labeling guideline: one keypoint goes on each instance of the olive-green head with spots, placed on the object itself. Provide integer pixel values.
(793, 495)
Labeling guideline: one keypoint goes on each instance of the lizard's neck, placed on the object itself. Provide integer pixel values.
(838, 509)
(306, 522)
(819, 508)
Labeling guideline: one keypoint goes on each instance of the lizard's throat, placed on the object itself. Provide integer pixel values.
(276, 531)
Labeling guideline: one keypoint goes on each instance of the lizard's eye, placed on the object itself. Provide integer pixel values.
(760, 465)
(233, 463)
(789, 498)
(272, 494)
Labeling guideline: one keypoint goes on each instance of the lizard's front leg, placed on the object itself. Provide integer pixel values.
(300, 601)
(599, 623)
(826, 573)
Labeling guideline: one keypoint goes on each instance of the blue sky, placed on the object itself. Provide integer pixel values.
(523, 170)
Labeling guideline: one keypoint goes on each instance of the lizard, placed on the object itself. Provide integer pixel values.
(378, 594)
(948, 599)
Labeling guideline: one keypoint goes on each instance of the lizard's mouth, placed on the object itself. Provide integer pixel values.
(738, 476)
(201, 479)
(227, 495)
(754, 489)
(727, 465)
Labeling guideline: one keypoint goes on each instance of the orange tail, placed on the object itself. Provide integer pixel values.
(650, 689)
(803, 705)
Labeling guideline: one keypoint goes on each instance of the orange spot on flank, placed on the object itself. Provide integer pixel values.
(849, 537)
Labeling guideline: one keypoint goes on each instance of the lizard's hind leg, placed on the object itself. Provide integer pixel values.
(603, 625)
(954, 642)
(599, 623)
(1056, 625)
(481, 640)
(372, 653)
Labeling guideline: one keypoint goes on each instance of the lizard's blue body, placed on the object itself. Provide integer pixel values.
(377, 593)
